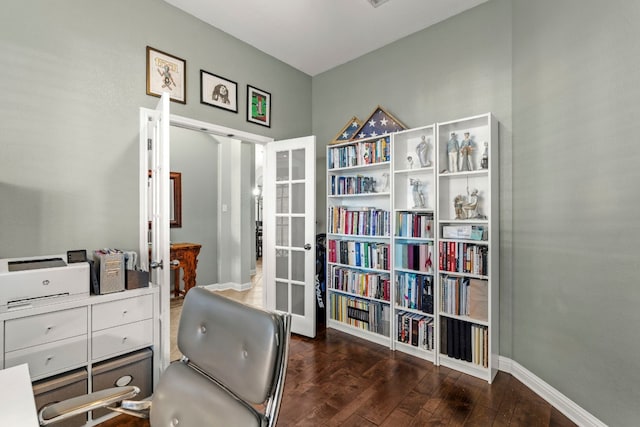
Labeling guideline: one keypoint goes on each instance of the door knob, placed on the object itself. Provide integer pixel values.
(156, 264)
(307, 247)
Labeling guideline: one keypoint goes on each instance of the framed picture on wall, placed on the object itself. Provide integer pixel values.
(258, 106)
(166, 73)
(218, 91)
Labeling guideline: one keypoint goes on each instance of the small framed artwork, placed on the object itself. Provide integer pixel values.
(218, 91)
(258, 106)
(166, 73)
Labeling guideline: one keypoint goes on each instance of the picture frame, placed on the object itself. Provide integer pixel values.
(258, 106)
(166, 73)
(218, 91)
(175, 200)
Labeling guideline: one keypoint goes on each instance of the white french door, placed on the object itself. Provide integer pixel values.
(289, 231)
(154, 217)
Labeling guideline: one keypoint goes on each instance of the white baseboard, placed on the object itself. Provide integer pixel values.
(556, 399)
(228, 285)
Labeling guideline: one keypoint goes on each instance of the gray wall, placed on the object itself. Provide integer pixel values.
(576, 115)
(457, 68)
(72, 83)
(195, 155)
(562, 79)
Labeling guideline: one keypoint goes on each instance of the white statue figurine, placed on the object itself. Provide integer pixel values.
(470, 207)
(418, 197)
(409, 162)
(484, 163)
(466, 147)
(452, 150)
(423, 150)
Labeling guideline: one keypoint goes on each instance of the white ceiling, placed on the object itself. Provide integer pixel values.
(317, 35)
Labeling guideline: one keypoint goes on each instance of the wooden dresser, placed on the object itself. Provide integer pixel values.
(187, 254)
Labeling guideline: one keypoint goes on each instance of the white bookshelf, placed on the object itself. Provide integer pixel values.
(463, 277)
(417, 189)
(359, 238)
(414, 204)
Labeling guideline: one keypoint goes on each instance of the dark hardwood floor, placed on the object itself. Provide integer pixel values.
(338, 380)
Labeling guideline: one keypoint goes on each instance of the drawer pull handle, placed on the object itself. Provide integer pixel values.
(49, 328)
(124, 311)
(124, 339)
(49, 359)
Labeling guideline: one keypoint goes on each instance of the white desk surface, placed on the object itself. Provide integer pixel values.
(17, 405)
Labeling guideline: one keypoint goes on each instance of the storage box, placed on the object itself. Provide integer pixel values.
(136, 279)
(110, 267)
(131, 369)
(61, 387)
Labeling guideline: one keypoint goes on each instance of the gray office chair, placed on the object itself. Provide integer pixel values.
(232, 372)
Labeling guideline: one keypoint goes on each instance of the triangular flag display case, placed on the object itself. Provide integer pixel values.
(347, 132)
(412, 240)
(380, 122)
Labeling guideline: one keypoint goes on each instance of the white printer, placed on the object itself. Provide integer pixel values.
(34, 281)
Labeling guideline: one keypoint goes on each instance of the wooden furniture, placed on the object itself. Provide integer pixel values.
(187, 254)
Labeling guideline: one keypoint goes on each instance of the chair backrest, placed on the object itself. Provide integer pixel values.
(235, 362)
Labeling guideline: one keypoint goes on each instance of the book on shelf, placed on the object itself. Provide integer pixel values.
(415, 329)
(464, 341)
(468, 232)
(359, 153)
(415, 256)
(464, 296)
(462, 257)
(363, 314)
(373, 255)
(414, 291)
(414, 224)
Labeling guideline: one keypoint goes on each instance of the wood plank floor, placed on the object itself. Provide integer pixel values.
(339, 380)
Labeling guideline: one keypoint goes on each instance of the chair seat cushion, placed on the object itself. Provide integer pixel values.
(191, 399)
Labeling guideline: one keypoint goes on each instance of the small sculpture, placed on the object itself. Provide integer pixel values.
(418, 197)
(466, 147)
(484, 163)
(409, 162)
(466, 207)
(385, 183)
(422, 150)
(452, 150)
(470, 207)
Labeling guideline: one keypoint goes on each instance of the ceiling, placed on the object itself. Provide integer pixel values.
(314, 36)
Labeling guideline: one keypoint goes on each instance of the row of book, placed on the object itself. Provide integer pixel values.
(412, 224)
(461, 257)
(346, 185)
(414, 256)
(373, 255)
(370, 316)
(358, 221)
(465, 341)
(415, 329)
(463, 296)
(371, 285)
(359, 154)
(414, 291)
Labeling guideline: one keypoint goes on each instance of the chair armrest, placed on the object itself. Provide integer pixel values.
(60, 411)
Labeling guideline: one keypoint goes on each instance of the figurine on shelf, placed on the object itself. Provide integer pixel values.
(484, 163)
(470, 206)
(458, 202)
(466, 147)
(452, 150)
(385, 183)
(409, 162)
(423, 150)
(418, 197)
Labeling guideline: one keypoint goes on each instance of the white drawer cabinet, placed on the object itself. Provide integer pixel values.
(120, 312)
(121, 339)
(44, 328)
(50, 358)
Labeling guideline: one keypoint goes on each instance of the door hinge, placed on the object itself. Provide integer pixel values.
(149, 144)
